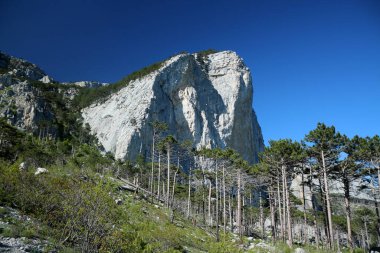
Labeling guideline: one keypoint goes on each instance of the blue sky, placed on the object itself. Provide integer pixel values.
(311, 61)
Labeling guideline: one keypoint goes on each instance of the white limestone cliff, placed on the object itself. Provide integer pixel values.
(360, 189)
(86, 84)
(207, 100)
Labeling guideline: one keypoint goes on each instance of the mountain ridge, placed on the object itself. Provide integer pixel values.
(23, 86)
(203, 98)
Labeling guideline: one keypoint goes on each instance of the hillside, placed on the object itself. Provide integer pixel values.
(162, 161)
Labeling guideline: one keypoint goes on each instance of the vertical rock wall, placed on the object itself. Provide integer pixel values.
(207, 100)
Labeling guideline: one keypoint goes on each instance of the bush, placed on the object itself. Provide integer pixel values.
(88, 96)
(80, 212)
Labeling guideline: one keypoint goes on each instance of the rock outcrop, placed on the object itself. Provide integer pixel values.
(361, 189)
(15, 67)
(87, 84)
(26, 99)
(205, 99)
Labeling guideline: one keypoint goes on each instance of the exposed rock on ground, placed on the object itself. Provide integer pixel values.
(16, 235)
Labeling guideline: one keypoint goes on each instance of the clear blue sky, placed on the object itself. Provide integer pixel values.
(311, 61)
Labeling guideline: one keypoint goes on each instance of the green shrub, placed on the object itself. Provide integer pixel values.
(88, 96)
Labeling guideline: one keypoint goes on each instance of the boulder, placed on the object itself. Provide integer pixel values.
(23, 166)
(299, 250)
(41, 171)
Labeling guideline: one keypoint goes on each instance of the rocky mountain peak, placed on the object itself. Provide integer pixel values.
(12, 67)
(205, 98)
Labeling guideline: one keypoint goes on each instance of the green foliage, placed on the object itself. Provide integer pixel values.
(3, 71)
(4, 62)
(10, 140)
(358, 250)
(65, 121)
(206, 52)
(71, 194)
(202, 57)
(364, 215)
(368, 151)
(78, 208)
(223, 247)
(340, 222)
(284, 151)
(325, 138)
(294, 199)
(88, 96)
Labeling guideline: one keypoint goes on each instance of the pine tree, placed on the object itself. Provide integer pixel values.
(325, 148)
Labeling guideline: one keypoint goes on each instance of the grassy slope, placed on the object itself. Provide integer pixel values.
(143, 226)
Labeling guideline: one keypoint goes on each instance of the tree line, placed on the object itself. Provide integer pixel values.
(218, 190)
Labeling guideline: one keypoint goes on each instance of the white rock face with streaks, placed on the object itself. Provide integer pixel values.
(360, 188)
(207, 101)
(87, 84)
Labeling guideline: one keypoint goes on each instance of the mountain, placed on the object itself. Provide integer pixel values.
(205, 98)
(31, 100)
(54, 177)
(12, 67)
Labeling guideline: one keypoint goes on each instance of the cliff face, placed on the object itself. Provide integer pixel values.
(205, 99)
(361, 191)
(19, 100)
(28, 98)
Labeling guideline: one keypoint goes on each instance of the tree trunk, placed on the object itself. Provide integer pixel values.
(159, 175)
(284, 202)
(173, 188)
(203, 193)
(337, 241)
(378, 180)
(168, 181)
(203, 200)
(189, 195)
(280, 209)
(305, 234)
(363, 240)
(242, 213)
(217, 201)
(316, 231)
(230, 212)
(290, 236)
(152, 172)
(209, 205)
(261, 216)
(348, 212)
(272, 213)
(378, 219)
(238, 214)
(366, 233)
(224, 202)
(324, 209)
(327, 193)
(163, 191)
(377, 206)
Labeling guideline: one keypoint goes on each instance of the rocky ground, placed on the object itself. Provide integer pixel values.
(18, 233)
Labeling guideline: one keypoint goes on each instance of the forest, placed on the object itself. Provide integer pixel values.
(87, 200)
